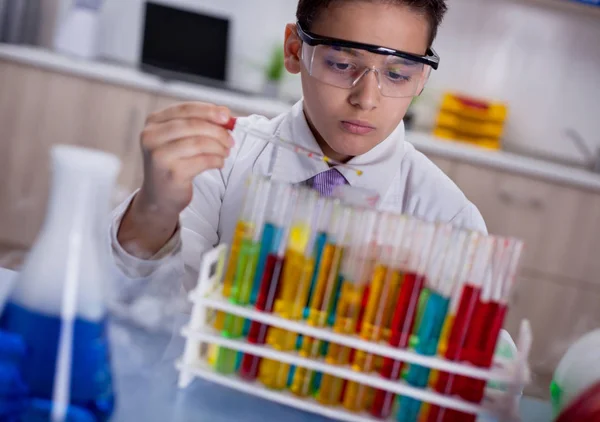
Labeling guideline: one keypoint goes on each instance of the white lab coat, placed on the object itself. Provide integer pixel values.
(406, 180)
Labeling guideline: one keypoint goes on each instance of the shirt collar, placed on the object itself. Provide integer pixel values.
(379, 165)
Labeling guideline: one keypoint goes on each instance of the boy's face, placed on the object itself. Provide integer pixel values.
(350, 122)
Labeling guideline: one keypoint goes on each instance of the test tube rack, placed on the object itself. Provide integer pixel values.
(206, 299)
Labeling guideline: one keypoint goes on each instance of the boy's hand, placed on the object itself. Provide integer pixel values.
(178, 143)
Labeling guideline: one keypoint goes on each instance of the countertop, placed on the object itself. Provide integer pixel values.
(505, 161)
(426, 143)
(135, 78)
(146, 384)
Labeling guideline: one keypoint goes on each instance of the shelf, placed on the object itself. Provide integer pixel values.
(201, 339)
(215, 301)
(282, 397)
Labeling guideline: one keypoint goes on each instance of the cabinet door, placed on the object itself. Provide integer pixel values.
(547, 305)
(447, 165)
(22, 108)
(560, 312)
(586, 235)
(52, 108)
(542, 214)
(113, 122)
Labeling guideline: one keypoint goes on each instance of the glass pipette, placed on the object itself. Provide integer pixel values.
(289, 145)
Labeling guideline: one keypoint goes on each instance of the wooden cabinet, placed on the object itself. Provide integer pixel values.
(559, 313)
(41, 108)
(548, 217)
(447, 165)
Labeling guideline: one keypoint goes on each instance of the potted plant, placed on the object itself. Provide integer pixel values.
(274, 73)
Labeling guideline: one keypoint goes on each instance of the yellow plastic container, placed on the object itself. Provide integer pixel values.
(475, 109)
(469, 127)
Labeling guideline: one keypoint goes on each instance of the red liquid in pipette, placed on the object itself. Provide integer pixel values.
(467, 305)
(265, 302)
(401, 328)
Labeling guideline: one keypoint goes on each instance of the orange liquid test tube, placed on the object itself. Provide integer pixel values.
(294, 286)
(382, 297)
(322, 297)
(357, 266)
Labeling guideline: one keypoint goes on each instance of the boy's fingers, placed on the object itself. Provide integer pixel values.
(187, 148)
(189, 168)
(155, 135)
(192, 110)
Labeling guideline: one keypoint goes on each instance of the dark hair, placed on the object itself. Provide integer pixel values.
(433, 10)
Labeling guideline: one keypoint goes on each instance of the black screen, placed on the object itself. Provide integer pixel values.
(185, 42)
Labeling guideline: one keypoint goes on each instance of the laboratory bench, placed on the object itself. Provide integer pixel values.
(145, 380)
(47, 99)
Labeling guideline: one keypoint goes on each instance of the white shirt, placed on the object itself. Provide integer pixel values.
(406, 180)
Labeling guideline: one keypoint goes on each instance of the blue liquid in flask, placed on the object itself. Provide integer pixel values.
(91, 380)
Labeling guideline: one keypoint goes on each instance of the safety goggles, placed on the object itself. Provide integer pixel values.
(343, 64)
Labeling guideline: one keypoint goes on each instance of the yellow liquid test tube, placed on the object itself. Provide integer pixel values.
(383, 294)
(356, 271)
(243, 229)
(323, 295)
(294, 287)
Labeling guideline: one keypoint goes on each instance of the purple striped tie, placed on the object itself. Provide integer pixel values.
(326, 182)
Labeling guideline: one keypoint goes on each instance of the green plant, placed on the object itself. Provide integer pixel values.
(275, 68)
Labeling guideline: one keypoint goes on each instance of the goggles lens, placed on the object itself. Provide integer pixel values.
(344, 67)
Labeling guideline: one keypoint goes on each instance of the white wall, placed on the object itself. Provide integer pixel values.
(544, 61)
(252, 40)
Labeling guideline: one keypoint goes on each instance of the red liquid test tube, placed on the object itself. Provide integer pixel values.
(265, 302)
(466, 296)
(268, 290)
(421, 236)
(487, 322)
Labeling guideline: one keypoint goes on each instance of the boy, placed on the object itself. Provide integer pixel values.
(361, 63)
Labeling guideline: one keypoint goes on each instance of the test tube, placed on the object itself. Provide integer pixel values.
(326, 215)
(413, 253)
(441, 277)
(226, 360)
(382, 295)
(294, 286)
(323, 294)
(272, 234)
(489, 317)
(465, 297)
(243, 226)
(270, 280)
(356, 270)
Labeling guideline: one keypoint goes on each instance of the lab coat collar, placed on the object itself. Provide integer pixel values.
(379, 165)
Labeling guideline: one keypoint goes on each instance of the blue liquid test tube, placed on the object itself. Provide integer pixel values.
(442, 272)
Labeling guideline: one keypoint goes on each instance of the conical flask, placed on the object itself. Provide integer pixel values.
(57, 304)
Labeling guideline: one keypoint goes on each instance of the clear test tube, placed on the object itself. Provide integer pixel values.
(413, 253)
(490, 314)
(324, 294)
(272, 232)
(328, 207)
(381, 298)
(226, 360)
(472, 327)
(357, 266)
(242, 229)
(440, 283)
(294, 285)
(269, 287)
